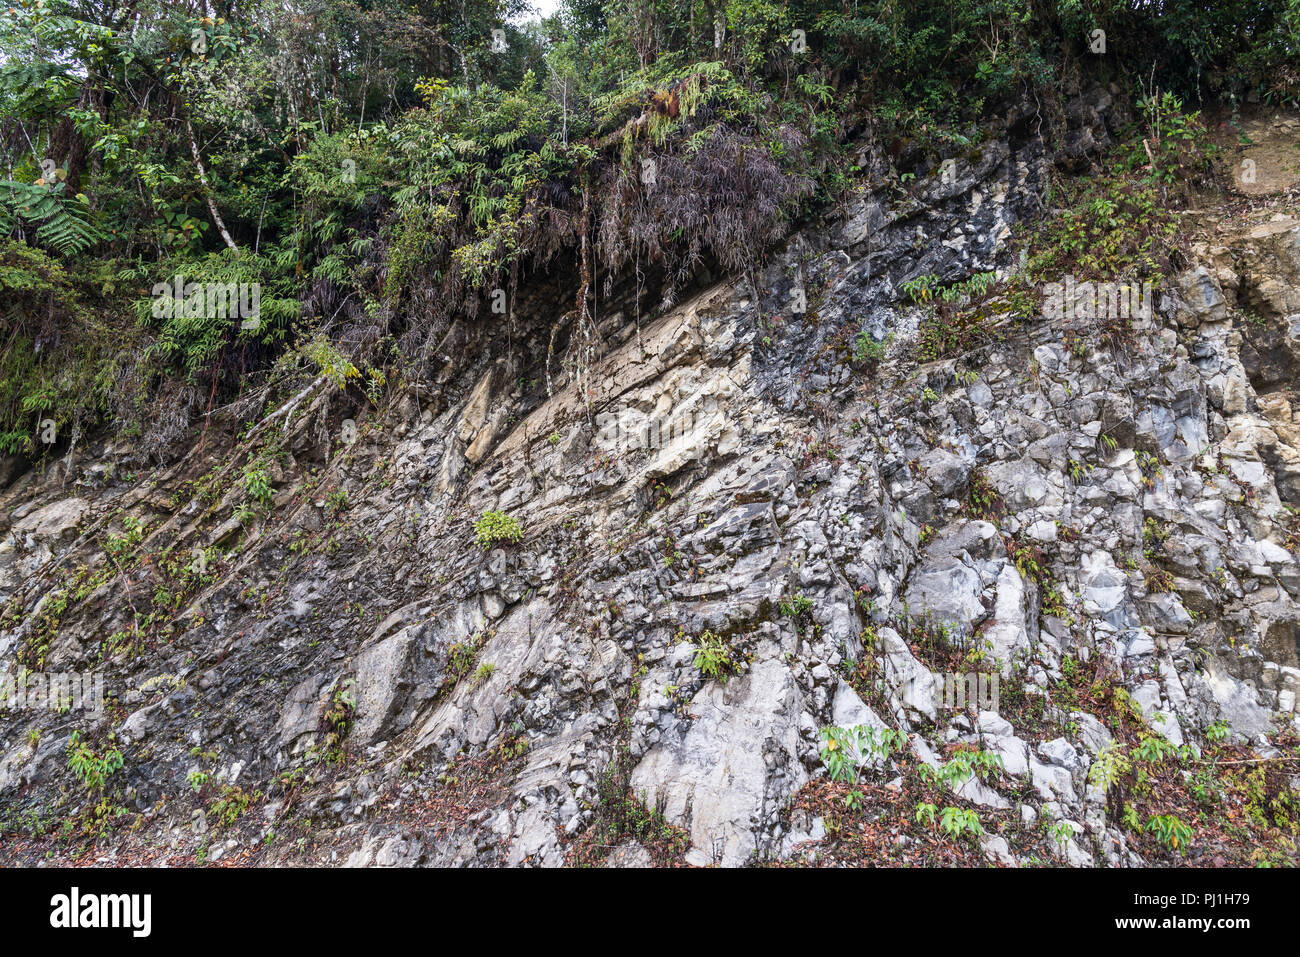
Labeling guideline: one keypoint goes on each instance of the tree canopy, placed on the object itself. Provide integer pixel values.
(381, 168)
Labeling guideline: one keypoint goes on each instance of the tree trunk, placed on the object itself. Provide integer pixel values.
(207, 188)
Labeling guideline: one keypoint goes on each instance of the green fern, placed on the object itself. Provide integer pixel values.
(62, 223)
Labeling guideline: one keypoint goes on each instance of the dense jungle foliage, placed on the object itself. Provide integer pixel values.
(383, 169)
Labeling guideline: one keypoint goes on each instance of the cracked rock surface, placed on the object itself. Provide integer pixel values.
(365, 667)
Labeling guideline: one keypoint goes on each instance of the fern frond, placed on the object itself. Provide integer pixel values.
(62, 223)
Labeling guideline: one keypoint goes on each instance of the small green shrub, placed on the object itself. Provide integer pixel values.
(461, 657)
(962, 766)
(496, 527)
(845, 750)
(957, 822)
(92, 769)
(1170, 831)
(1155, 750)
(230, 806)
(867, 349)
(1109, 769)
(1062, 832)
(713, 657)
(257, 483)
(120, 546)
(796, 606)
(338, 720)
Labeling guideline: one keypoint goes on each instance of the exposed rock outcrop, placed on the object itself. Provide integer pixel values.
(725, 460)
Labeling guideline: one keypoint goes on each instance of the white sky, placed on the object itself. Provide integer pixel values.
(543, 8)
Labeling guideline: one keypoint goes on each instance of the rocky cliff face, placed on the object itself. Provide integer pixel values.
(738, 529)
